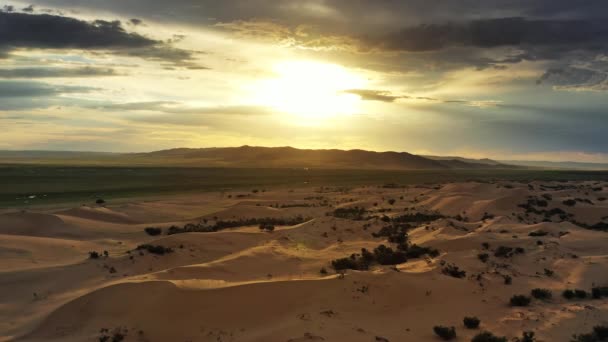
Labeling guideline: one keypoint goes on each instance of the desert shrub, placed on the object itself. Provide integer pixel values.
(488, 337)
(483, 257)
(487, 216)
(549, 273)
(580, 294)
(543, 294)
(471, 322)
(503, 252)
(527, 336)
(568, 294)
(94, 255)
(417, 218)
(537, 233)
(323, 271)
(507, 252)
(445, 333)
(569, 202)
(454, 271)
(155, 249)
(391, 201)
(520, 300)
(485, 245)
(153, 231)
(100, 201)
(508, 279)
(415, 251)
(599, 292)
(599, 333)
(267, 227)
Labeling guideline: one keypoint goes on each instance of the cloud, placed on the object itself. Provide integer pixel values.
(42, 72)
(575, 78)
(374, 95)
(45, 31)
(173, 107)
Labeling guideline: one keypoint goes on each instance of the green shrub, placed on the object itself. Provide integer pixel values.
(445, 333)
(471, 322)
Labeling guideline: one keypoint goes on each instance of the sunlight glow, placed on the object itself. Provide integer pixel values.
(310, 89)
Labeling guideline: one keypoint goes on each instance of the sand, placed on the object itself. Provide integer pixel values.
(242, 284)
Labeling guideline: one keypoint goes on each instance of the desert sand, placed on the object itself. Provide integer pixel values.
(245, 284)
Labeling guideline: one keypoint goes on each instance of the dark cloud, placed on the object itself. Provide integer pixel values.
(44, 31)
(57, 72)
(491, 33)
(135, 21)
(21, 95)
(571, 78)
(36, 89)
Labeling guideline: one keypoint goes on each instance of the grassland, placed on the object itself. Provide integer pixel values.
(56, 184)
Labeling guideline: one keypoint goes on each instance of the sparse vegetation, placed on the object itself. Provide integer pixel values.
(599, 292)
(445, 333)
(538, 233)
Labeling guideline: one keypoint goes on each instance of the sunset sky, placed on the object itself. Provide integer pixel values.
(505, 79)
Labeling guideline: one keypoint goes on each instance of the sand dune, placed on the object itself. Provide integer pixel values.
(244, 284)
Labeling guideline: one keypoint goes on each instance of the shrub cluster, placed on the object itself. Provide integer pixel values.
(267, 227)
(220, 225)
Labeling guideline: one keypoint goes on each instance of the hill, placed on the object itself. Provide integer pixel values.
(253, 157)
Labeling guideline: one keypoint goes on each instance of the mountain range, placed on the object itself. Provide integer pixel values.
(274, 157)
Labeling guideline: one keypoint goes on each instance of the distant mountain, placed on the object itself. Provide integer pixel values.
(254, 157)
(558, 165)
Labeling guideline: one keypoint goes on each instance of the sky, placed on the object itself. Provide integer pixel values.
(504, 79)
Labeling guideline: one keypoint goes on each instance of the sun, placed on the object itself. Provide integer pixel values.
(310, 89)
